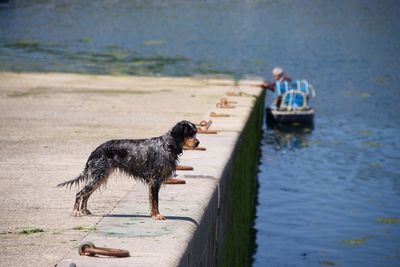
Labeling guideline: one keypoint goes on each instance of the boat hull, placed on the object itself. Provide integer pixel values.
(275, 117)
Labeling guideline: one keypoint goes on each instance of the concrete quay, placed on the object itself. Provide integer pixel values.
(51, 122)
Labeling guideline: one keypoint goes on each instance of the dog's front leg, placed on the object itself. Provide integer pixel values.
(154, 188)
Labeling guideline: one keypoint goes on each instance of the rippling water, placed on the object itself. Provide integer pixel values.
(328, 196)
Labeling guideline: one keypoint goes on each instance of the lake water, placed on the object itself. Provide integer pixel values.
(328, 196)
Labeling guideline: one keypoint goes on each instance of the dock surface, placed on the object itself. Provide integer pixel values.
(50, 123)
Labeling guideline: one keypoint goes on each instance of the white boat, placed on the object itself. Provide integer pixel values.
(294, 104)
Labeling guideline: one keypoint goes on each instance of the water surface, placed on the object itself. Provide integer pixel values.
(329, 196)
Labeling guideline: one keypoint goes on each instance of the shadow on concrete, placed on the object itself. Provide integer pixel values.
(174, 218)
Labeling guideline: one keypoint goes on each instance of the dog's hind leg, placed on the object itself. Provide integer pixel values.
(82, 197)
(87, 191)
(100, 177)
(154, 188)
(81, 200)
(78, 200)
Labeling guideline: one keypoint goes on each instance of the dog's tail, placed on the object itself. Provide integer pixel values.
(76, 181)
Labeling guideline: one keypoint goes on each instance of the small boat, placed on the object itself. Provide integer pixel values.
(294, 108)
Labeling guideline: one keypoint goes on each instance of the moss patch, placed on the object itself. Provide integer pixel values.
(29, 231)
(239, 241)
(84, 228)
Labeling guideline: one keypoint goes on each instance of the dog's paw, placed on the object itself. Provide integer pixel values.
(158, 217)
(86, 212)
(77, 213)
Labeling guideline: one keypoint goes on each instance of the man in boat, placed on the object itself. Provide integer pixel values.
(279, 76)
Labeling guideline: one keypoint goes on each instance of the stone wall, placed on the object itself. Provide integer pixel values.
(225, 236)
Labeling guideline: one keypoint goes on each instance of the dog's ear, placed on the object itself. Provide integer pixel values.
(178, 131)
(183, 129)
(178, 134)
(189, 129)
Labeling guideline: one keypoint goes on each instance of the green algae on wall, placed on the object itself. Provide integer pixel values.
(239, 237)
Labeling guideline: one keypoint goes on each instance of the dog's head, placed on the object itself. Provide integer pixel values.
(184, 133)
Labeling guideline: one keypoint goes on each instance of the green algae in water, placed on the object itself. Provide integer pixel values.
(316, 142)
(364, 94)
(335, 142)
(24, 44)
(33, 46)
(380, 80)
(307, 130)
(389, 220)
(375, 165)
(153, 42)
(85, 40)
(111, 55)
(111, 59)
(355, 241)
(371, 144)
(117, 69)
(327, 263)
(303, 143)
(141, 62)
(356, 93)
(259, 62)
(365, 133)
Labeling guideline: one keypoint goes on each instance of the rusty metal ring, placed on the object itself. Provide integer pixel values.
(89, 249)
(83, 247)
(202, 123)
(208, 124)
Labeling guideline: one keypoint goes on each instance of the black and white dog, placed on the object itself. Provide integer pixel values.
(151, 161)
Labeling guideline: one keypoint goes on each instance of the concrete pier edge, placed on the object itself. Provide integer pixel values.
(237, 235)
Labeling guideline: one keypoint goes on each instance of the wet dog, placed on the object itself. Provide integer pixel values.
(151, 161)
